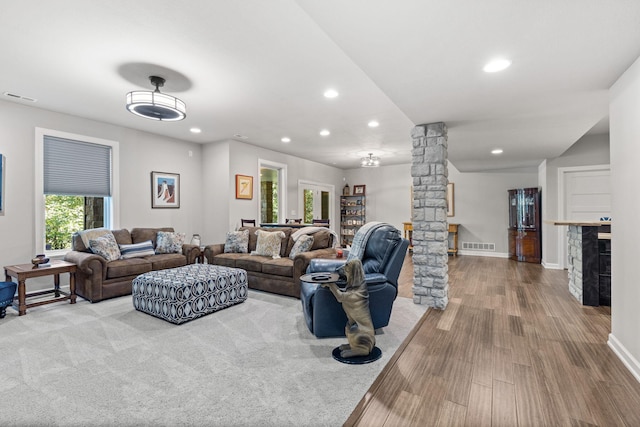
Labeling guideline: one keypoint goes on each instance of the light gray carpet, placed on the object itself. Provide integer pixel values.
(251, 364)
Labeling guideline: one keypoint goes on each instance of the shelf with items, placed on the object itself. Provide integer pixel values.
(352, 217)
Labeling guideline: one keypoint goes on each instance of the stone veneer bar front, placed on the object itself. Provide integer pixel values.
(583, 260)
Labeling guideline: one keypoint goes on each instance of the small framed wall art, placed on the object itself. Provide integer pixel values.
(165, 190)
(450, 202)
(358, 190)
(244, 187)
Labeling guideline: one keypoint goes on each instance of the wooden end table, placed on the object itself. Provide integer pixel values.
(22, 272)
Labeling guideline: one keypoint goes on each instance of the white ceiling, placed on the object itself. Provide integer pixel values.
(259, 68)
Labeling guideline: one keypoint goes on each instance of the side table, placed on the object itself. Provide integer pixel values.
(22, 272)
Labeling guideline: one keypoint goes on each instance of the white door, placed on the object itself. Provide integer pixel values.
(585, 196)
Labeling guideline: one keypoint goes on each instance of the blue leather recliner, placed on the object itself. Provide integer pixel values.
(384, 254)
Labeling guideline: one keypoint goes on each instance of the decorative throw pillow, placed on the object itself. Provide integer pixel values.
(269, 243)
(92, 233)
(303, 244)
(105, 246)
(136, 250)
(237, 242)
(169, 243)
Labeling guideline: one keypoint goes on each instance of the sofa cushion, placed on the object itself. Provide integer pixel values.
(253, 237)
(127, 267)
(141, 234)
(105, 246)
(278, 267)
(303, 244)
(162, 261)
(123, 236)
(321, 240)
(169, 243)
(227, 260)
(251, 262)
(269, 243)
(237, 242)
(136, 250)
(92, 233)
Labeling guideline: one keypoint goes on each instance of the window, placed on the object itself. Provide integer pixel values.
(272, 189)
(76, 187)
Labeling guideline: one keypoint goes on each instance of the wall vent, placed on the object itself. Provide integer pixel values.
(20, 97)
(475, 246)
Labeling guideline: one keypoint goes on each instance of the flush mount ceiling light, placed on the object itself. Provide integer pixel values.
(370, 162)
(331, 93)
(285, 139)
(325, 132)
(496, 151)
(373, 124)
(155, 105)
(496, 65)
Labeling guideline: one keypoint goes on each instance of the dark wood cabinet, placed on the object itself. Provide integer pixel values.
(525, 233)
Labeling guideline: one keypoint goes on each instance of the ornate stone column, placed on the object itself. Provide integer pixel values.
(430, 231)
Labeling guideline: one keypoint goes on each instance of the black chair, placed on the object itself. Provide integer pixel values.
(248, 222)
(384, 254)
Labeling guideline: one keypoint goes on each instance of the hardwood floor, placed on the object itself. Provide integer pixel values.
(513, 348)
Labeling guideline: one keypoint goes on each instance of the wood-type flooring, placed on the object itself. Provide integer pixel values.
(513, 348)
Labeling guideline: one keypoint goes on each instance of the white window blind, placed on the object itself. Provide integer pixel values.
(76, 168)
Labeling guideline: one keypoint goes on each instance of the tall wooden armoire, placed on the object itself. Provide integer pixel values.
(525, 232)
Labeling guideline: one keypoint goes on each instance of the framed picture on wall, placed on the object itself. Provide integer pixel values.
(450, 202)
(165, 190)
(358, 190)
(244, 187)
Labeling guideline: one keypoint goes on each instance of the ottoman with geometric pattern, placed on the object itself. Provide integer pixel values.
(178, 295)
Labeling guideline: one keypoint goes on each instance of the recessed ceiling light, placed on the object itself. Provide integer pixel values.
(373, 124)
(286, 139)
(237, 135)
(330, 93)
(497, 151)
(496, 65)
(325, 132)
(195, 130)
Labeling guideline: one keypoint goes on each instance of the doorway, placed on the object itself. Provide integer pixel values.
(315, 201)
(272, 191)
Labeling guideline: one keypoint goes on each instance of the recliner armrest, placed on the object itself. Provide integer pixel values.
(318, 265)
(373, 278)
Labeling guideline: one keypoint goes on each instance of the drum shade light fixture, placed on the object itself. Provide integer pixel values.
(155, 105)
(370, 162)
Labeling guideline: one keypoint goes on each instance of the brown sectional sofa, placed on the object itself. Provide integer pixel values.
(281, 275)
(97, 279)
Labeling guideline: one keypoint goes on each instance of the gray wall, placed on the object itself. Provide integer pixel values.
(140, 153)
(223, 160)
(587, 151)
(624, 111)
(480, 200)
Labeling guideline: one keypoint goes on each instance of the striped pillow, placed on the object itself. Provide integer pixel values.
(136, 250)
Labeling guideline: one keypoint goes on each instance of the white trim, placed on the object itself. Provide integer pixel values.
(282, 187)
(550, 266)
(321, 186)
(483, 253)
(114, 206)
(625, 356)
(562, 230)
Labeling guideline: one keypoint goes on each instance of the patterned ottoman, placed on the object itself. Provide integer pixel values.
(178, 295)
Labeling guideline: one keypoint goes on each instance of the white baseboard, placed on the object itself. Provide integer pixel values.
(484, 253)
(623, 354)
(550, 266)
